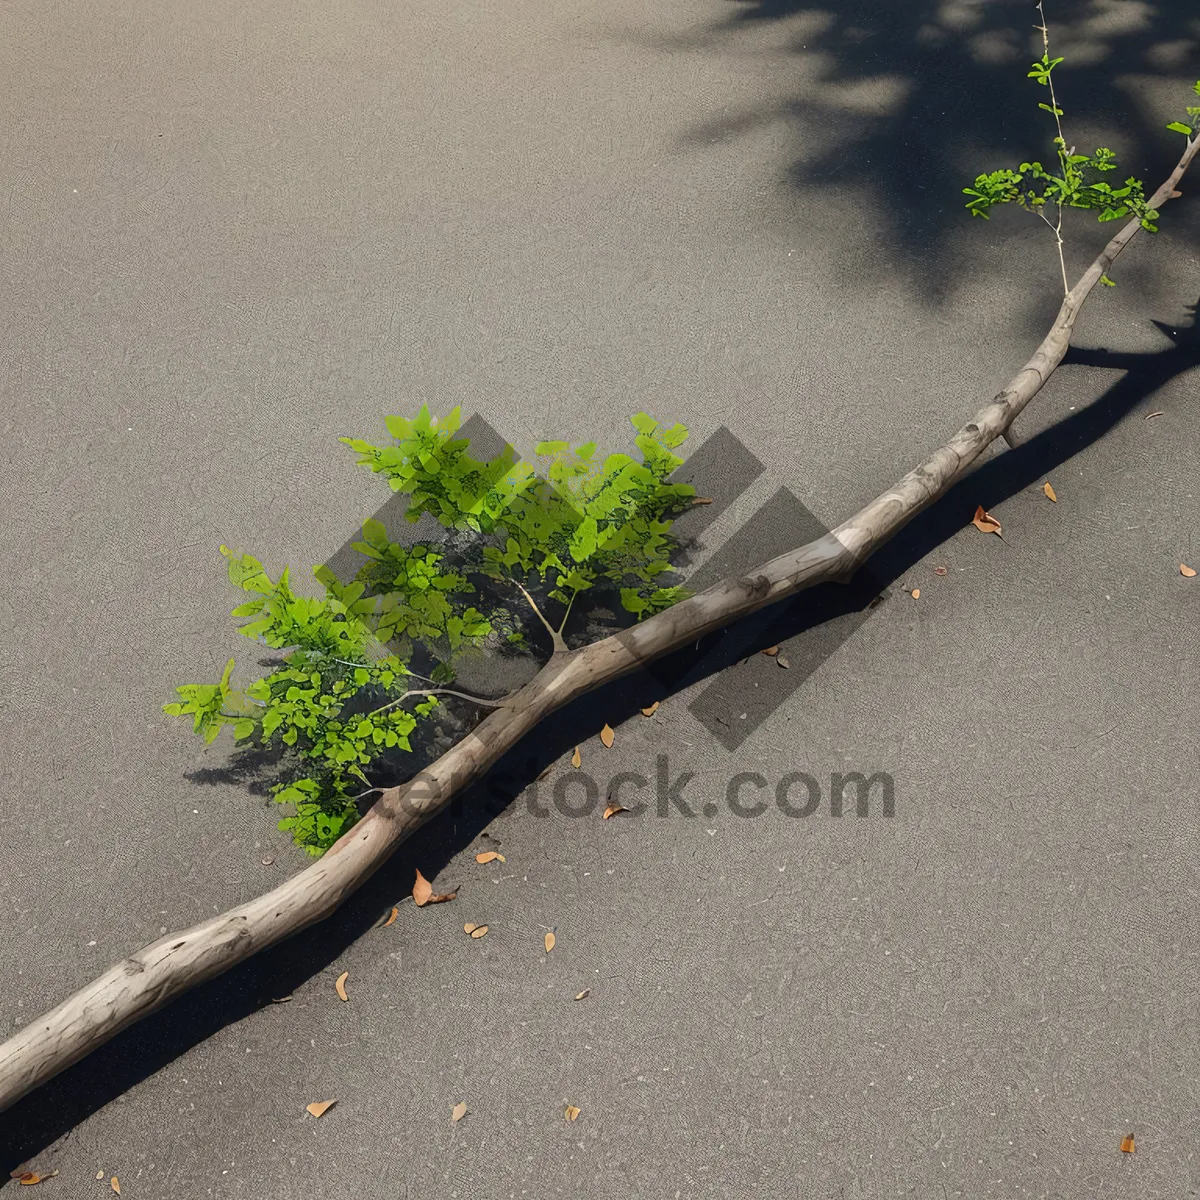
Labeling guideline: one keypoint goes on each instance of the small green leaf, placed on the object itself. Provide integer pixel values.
(1180, 127)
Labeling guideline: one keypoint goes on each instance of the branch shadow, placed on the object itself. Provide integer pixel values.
(43, 1117)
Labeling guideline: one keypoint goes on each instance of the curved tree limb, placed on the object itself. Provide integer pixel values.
(156, 974)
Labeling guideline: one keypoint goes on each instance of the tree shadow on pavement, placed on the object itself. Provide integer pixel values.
(903, 103)
(44, 1116)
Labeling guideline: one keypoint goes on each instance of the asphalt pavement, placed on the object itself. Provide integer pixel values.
(234, 233)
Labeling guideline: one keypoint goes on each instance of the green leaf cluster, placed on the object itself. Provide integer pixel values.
(1076, 181)
(351, 684)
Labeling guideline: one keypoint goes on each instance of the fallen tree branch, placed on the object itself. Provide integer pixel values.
(150, 978)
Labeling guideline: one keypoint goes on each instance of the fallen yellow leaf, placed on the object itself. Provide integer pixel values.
(985, 522)
(584, 994)
(571, 1112)
(340, 985)
(1049, 491)
(549, 940)
(916, 593)
(479, 931)
(613, 809)
(469, 927)
(115, 1184)
(1186, 571)
(458, 1111)
(490, 856)
(392, 919)
(29, 1178)
(649, 712)
(576, 761)
(607, 736)
(1127, 1145)
(319, 1109)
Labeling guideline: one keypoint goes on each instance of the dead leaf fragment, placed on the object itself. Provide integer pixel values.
(985, 522)
(770, 651)
(649, 712)
(29, 1178)
(1127, 1145)
(319, 1109)
(613, 809)
(1153, 414)
(266, 862)
(939, 570)
(701, 499)
(422, 893)
(1186, 571)
(607, 736)
(576, 761)
(340, 985)
(392, 919)
(916, 593)
(479, 931)
(115, 1184)
(781, 661)
(490, 856)
(99, 1174)
(549, 942)
(584, 994)
(1049, 491)
(458, 1111)
(571, 1113)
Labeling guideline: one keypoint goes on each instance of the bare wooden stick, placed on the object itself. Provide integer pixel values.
(150, 978)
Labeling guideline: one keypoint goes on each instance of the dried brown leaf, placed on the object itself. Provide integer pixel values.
(939, 570)
(916, 593)
(571, 1113)
(320, 1108)
(340, 985)
(781, 661)
(584, 994)
(392, 919)
(985, 522)
(490, 856)
(701, 499)
(266, 862)
(770, 651)
(613, 809)
(29, 1178)
(423, 893)
(607, 736)
(1186, 571)
(1127, 1145)
(549, 942)
(649, 712)
(458, 1111)
(1049, 491)
(115, 1184)
(576, 761)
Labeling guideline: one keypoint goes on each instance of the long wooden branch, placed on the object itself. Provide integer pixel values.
(150, 978)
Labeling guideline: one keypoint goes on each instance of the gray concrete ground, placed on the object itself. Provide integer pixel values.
(233, 233)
